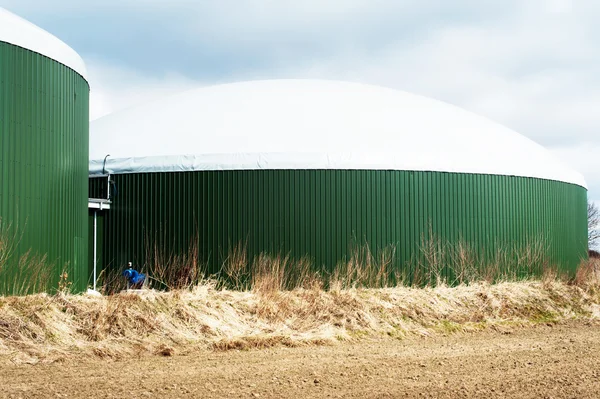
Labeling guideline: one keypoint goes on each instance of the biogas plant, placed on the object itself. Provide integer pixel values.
(305, 168)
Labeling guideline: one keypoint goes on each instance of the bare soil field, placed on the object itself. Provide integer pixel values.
(547, 361)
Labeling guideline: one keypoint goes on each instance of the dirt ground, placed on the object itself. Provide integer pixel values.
(560, 361)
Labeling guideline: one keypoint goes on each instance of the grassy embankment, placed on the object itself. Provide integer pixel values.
(274, 300)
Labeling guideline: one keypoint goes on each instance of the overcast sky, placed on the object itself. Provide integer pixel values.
(532, 65)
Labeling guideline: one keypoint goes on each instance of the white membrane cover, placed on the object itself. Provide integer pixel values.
(19, 32)
(311, 124)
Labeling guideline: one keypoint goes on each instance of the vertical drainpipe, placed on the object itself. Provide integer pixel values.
(95, 244)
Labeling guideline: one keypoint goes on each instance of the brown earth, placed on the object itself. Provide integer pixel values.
(547, 361)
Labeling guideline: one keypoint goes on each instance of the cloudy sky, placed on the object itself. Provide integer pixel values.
(531, 65)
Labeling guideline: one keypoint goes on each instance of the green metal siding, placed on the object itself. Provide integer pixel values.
(98, 187)
(320, 212)
(44, 125)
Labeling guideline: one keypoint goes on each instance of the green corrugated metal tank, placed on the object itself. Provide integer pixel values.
(44, 125)
(308, 167)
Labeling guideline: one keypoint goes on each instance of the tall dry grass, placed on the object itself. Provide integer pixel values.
(166, 269)
(31, 273)
(588, 274)
(21, 274)
(264, 272)
(282, 273)
(363, 268)
(444, 262)
(235, 267)
(7, 244)
(173, 270)
(437, 262)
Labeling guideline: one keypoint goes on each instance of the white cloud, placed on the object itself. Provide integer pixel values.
(507, 72)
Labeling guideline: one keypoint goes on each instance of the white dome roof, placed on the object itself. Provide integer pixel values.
(308, 124)
(15, 30)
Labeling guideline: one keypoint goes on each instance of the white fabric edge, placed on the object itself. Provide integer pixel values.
(277, 161)
(19, 32)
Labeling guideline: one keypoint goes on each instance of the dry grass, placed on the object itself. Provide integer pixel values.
(31, 273)
(8, 241)
(24, 274)
(588, 274)
(444, 262)
(438, 263)
(366, 269)
(48, 328)
(174, 271)
(277, 300)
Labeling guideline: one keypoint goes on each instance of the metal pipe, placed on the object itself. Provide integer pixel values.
(108, 187)
(95, 244)
(104, 164)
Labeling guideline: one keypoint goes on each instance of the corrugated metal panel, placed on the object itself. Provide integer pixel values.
(320, 212)
(44, 114)
(98, 187)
